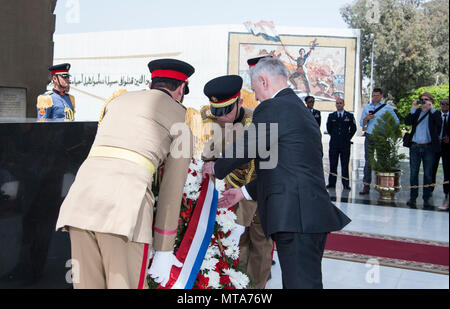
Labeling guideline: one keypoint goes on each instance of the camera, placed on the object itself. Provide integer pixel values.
(371, 112)
(420, 102)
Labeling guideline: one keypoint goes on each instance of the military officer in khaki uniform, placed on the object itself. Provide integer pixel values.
(226, 110)
(109, 208)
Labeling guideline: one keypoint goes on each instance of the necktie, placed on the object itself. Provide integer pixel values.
(444, 127)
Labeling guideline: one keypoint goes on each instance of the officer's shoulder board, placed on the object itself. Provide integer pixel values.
(205, 113)
(44, 101)
(191, 119)
(247, 121)
(114, 95)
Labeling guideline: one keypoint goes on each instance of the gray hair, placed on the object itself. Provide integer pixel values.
(269, 67)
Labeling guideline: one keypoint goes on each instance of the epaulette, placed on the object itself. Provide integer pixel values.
(72, 100)
(205, 112)
(192, 120)
(44, 102)
(114, 95)
(247, 121)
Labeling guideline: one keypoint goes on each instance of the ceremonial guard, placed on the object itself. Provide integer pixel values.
(57, 103)
(342, 127)
(109, 208)
(225, 109)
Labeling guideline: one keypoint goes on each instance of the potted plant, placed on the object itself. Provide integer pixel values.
(384, 156)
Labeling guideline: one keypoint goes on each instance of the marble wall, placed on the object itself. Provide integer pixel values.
(38, 163)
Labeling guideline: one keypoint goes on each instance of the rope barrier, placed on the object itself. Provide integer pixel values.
(395, 187)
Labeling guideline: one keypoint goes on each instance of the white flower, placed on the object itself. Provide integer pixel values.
(212, 252)
(226, 220)
(238, 279)
(209, 264)
(232, 250)
(214, 279)
(227, 242)
(220, 186)
(192, 184)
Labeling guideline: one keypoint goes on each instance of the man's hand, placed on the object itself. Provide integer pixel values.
(208, 169)
(230, 198)
(162, 265)
(368, 117)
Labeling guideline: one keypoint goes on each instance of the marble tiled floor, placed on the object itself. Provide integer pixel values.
(421, 224)
(370, 215)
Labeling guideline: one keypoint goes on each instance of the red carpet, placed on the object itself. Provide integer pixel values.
(423, 255)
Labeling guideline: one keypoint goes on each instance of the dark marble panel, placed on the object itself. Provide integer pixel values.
(38, 163)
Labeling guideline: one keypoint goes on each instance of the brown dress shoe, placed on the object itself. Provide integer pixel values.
(365, 190)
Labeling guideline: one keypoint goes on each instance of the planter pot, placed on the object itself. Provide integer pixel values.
(387, 184)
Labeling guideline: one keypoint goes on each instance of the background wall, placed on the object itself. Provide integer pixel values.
(103, 62)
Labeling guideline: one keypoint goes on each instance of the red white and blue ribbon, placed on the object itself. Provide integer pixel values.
(197, 238)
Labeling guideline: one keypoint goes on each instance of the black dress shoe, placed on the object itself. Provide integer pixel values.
(365, 190)
(427, 205)
(347, 188)
(411, 204)
(331, 187)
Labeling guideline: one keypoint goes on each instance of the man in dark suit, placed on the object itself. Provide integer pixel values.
(294, 206)
(341, 127)
(309, 100)
(444, 153)
(426, 142)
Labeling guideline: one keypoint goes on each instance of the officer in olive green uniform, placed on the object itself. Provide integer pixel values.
(109, 208)
(225, 109)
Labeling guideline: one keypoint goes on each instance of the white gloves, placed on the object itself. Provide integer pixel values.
(162, 265)
(236, 233)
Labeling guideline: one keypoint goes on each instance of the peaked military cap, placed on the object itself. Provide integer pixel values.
(172, 68)
(223, 92)
(253, 61)
(60, 69)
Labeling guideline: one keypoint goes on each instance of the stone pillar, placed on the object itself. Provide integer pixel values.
(26, 47)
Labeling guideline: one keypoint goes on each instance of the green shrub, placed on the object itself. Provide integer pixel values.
(387, 139)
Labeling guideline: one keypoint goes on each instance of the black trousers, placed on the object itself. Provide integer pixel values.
(445, 165)
(300, 257)
(334, 154)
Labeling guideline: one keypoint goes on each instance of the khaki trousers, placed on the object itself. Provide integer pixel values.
(107, 261)
(256, 253)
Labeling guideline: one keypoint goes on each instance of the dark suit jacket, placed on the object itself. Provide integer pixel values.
(317, 116)
(434, 125)
(341, 130)
(291, 196)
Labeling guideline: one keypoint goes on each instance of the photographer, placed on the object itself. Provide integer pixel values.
(369, 118)
(425, 142)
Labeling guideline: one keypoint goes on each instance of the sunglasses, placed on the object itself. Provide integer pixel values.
(444, 103)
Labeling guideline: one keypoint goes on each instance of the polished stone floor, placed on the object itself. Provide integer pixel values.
(371, 215)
